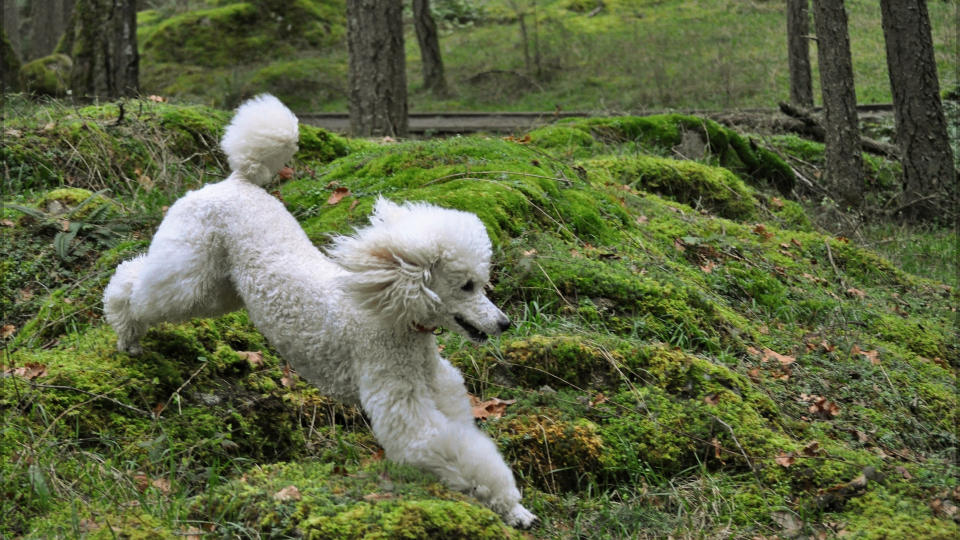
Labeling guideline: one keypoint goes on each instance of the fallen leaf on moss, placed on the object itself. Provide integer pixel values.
(902, 471)
(7, 331)
(286, 173)
(761, 230)
(852, 292)
(373, 497)
(338, 195)
(7, 223)
(289, 493)
(872, 355)
(598, 399)
(29, 371)
(712, 399)
(254, 358)
(785, 459)
(493, 407)
(157, 99)
(162, 484)
(289, 377)
(812, 449)
(824, 407)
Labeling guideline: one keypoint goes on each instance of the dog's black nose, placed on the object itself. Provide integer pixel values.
(503, 323)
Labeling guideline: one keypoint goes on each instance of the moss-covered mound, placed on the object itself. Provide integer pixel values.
(690, 358)
(195, 53)
(688, 137)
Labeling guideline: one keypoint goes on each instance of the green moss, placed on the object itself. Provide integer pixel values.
(304, 84)
(378, 501)
(659, 133)
(713, 188)
(194, 53)
(49, 75)
(883, 514)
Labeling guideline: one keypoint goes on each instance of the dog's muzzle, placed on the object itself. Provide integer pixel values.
(475, 333)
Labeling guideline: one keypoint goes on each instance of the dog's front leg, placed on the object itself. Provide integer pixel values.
(412, 430)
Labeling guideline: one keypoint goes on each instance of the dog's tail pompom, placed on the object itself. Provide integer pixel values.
(260, 139)
(390, 270)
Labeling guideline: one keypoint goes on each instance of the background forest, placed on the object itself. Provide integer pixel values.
(709, 343)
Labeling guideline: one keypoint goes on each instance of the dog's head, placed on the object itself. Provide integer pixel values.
(419, 266)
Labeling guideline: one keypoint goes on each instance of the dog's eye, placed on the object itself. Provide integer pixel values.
(468, 286)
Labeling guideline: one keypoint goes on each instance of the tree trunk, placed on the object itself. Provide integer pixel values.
(798, 53)
(377, 78)
(11, 26)
(844, 164)
(928, 169)
(101, 38)
(433, 78)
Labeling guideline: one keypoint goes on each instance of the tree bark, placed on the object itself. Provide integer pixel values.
(376, 78)
(11, 26)
(433, 77)
(844, 164)
(928, 168)
(101, 38)
(798, 53)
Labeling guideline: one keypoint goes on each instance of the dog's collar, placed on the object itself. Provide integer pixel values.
(423, 329)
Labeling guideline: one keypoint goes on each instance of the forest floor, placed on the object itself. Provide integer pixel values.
(706, 345)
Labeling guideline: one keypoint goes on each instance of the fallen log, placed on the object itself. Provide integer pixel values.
(810, 126)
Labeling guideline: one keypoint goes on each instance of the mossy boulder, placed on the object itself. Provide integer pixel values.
(49, 75)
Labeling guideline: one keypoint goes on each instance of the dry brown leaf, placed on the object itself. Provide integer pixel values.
(872, 355)
(812, 449)
(289, 493)
(598, 399)
(374, 497)
(7, 330)
(715, 443)
(192, 533)
(286, 173)
(852, 292)
(254, 358)
(161, 484)
(782, 358)
(678, 245)
(776, 202)
(785, 459)
(7, 223)
(157, 99)
(338, 195)
(707, 268)
(642, 220)
(712, 399)
(761, 230)
(493, 407)
(289, 377)
(29, 371)
(824, 408)
(754, 374)
(902, 471)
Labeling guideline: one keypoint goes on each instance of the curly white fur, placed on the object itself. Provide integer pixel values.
(354, 324)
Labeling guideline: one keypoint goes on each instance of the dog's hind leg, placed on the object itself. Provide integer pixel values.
(116, 305)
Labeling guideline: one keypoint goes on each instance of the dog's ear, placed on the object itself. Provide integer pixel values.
(392, 284)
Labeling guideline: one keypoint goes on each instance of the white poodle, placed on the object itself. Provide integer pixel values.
(357, 324)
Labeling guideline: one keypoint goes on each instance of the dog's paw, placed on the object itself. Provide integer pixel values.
(520, 517)
(133, 349)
